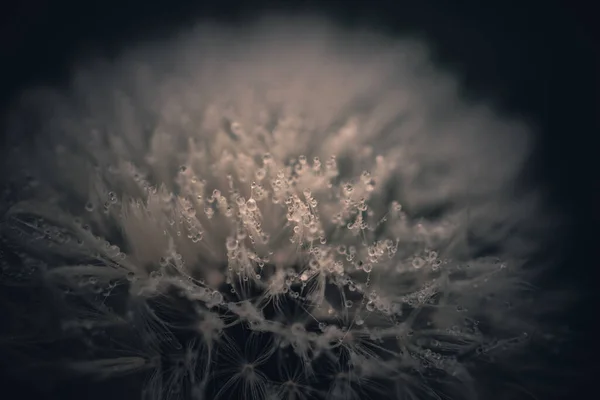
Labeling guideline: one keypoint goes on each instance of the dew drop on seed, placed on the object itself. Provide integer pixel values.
(251, 205)
(418, 262)
(260, 174)
(231, 244)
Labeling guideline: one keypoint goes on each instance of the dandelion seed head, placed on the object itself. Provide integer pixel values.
(317, 195)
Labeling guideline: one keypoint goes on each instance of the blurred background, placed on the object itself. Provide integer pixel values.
(532, 59)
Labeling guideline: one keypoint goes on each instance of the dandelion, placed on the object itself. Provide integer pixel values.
(294, 224)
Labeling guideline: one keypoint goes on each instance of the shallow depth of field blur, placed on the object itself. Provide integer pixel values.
(288, 210)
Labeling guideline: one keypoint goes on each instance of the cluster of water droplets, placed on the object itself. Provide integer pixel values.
(294, 224)
(290, 250)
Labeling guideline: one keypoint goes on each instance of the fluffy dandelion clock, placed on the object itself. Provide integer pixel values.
(286, 211)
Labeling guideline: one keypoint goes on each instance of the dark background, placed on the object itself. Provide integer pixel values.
(537, 60)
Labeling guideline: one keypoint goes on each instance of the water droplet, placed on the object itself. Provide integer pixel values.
(231, 243)
(418, 262)
(251, 205)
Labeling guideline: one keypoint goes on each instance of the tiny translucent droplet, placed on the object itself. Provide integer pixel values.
(251, 205)
(231, 244)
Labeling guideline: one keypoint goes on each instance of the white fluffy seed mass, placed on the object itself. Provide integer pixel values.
(288, 194)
